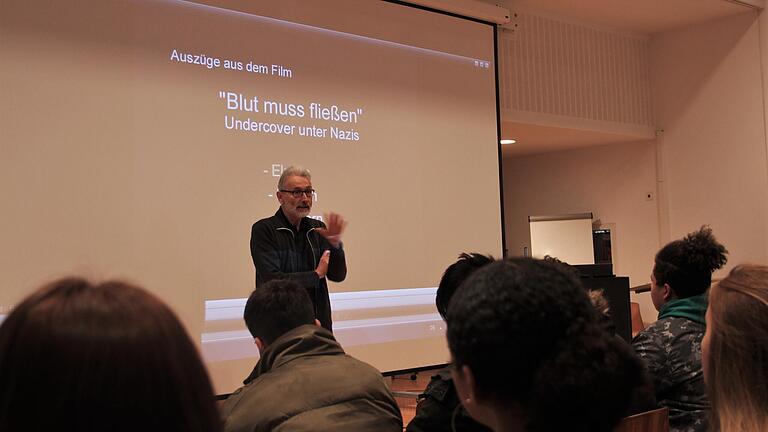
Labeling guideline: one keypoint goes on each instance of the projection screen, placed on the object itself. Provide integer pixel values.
(141, 139)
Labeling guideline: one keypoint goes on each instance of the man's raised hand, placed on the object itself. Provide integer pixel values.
(335, 225)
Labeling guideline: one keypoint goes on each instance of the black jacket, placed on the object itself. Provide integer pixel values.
(440, 409)
(279, 251)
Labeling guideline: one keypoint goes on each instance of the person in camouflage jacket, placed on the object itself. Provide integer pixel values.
(671, 347)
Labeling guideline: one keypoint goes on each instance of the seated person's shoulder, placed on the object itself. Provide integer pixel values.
(667, 330)
(440, 388)
(655, 333)
(439, 408)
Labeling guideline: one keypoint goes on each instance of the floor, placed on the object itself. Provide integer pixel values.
(412, 383)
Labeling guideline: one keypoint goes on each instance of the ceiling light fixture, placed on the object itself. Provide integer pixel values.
(507, 141)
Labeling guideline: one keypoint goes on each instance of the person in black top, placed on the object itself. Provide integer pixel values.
(439, 407)
(292, 245)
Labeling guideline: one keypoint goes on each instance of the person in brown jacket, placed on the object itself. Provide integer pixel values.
(304, 381)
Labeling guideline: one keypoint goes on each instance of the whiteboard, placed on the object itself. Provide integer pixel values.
(565, 237)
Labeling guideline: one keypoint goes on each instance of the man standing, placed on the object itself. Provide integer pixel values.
(291, 245)
(304, 381)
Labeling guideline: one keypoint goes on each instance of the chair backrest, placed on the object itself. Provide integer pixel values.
(649, 421)
(637, 319)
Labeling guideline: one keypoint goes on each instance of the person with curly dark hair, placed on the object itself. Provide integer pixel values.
(671, 347)
(83, 356)
(529, 353)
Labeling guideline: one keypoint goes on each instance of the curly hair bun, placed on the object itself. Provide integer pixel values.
(703, 250)
(687, 264)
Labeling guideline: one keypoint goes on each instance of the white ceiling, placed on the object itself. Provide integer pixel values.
(544, 139)
(644, 17)
(632, 16)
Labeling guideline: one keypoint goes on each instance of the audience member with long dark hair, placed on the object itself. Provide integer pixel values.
(735, 351)
(100, 357)
(529, 353)
(671, 347)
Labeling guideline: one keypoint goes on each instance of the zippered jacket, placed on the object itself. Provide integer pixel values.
(279, 251)
(305, 382)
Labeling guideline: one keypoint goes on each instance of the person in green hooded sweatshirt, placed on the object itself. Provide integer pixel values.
(671, 347)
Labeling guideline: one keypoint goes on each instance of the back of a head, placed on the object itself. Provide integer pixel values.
(687, 264)
(528, 332)
(454, 275)
(596, 296)
(109, 356)
(277, 307)
(737, 350)
(603, 308)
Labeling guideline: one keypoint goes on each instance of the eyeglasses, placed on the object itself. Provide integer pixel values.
(298, 192)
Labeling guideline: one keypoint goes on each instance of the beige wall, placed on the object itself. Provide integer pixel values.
(708, 96)
(709, 166)
(610, 181)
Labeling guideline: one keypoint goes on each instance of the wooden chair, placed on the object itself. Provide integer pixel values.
(637, 319)
(649, 421)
